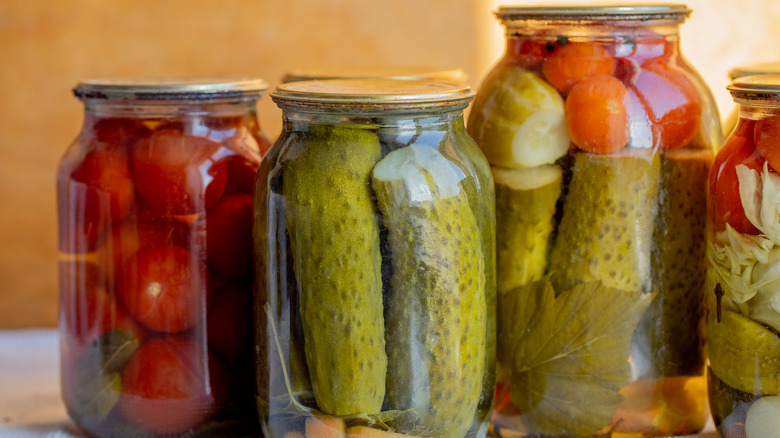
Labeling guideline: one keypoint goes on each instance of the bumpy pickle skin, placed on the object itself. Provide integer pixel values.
(607, 222)
(334, 235)
(525, 218)
(436, 311)
(481, 193)
(669, 341)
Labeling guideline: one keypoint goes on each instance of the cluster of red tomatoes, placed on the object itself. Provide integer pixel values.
(630, 91)
(753, 143)
(155, 231)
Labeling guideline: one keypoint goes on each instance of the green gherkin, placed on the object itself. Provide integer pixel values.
(669, 341)
(525, 219)
(436, 311)
(481, 193)
(334, 236)
(606, 228)
(525, 216)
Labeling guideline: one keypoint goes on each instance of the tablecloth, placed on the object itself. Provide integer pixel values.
(30, 403)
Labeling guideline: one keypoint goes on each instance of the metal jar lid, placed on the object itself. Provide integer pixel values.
(380, 72)
(372, 95)
(761, 68)
(757, 90)
(190, 88)
(649, 12)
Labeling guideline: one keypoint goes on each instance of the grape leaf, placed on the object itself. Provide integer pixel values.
(571, 357)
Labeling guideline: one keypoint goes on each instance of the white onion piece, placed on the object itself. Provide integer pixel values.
(763, 418)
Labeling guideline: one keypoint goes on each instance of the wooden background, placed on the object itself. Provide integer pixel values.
(47, 46)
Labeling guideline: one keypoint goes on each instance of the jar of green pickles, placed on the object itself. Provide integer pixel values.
(374, 244)
(743, 241)
(600, 137)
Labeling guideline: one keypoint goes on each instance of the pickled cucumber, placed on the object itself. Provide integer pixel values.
(743, 353)
(481, 193)
(436, 311)
(517, 119)
(669, 341)
(334, 236)
(525, 210)
(607, 221)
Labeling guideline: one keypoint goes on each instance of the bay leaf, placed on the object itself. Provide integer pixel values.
(571, 358)
(97, 379)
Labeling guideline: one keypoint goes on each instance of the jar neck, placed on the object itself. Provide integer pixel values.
(183, 109)
(621, 35)
(440, 120)
(758, 110)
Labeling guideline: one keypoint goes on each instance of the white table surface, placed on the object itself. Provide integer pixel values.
(30, 403)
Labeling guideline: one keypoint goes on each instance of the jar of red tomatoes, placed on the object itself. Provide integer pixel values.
(743, 241)
(155, 271)
(600, 137)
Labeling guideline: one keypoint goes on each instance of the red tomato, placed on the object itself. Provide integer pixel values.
(527, 53)
(575, 62)
(87, 308)
(672, 102)
(164, 288)
(766, 135)
(120, 131)
(98, 193)
(133, 233)
(172, 385)
(229, 237)
(229, 321)
(725, 202)
(641, 47)
(240, 172)
(596, 114)
(173, 172)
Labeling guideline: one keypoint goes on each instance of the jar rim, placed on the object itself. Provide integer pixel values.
(756, 88)
(170, 88)
(372, 94)
(759, 68)
(639, 12)
(375, 71)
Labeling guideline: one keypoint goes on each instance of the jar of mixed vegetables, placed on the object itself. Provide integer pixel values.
(743, 241)
(600, 137)
(374, 243)
(155, 267)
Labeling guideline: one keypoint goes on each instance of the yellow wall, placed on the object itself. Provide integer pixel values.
(46, 47)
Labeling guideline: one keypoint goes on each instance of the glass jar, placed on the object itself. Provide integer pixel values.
(155, 266)
(374, 243)
(600, 137)
(761, 68)
(743, 299)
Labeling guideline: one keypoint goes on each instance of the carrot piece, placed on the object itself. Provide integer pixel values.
(367, 432)
(326, 427)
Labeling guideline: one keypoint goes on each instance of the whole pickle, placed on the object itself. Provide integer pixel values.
(607, 223)
(334, 236)
(436, 310)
